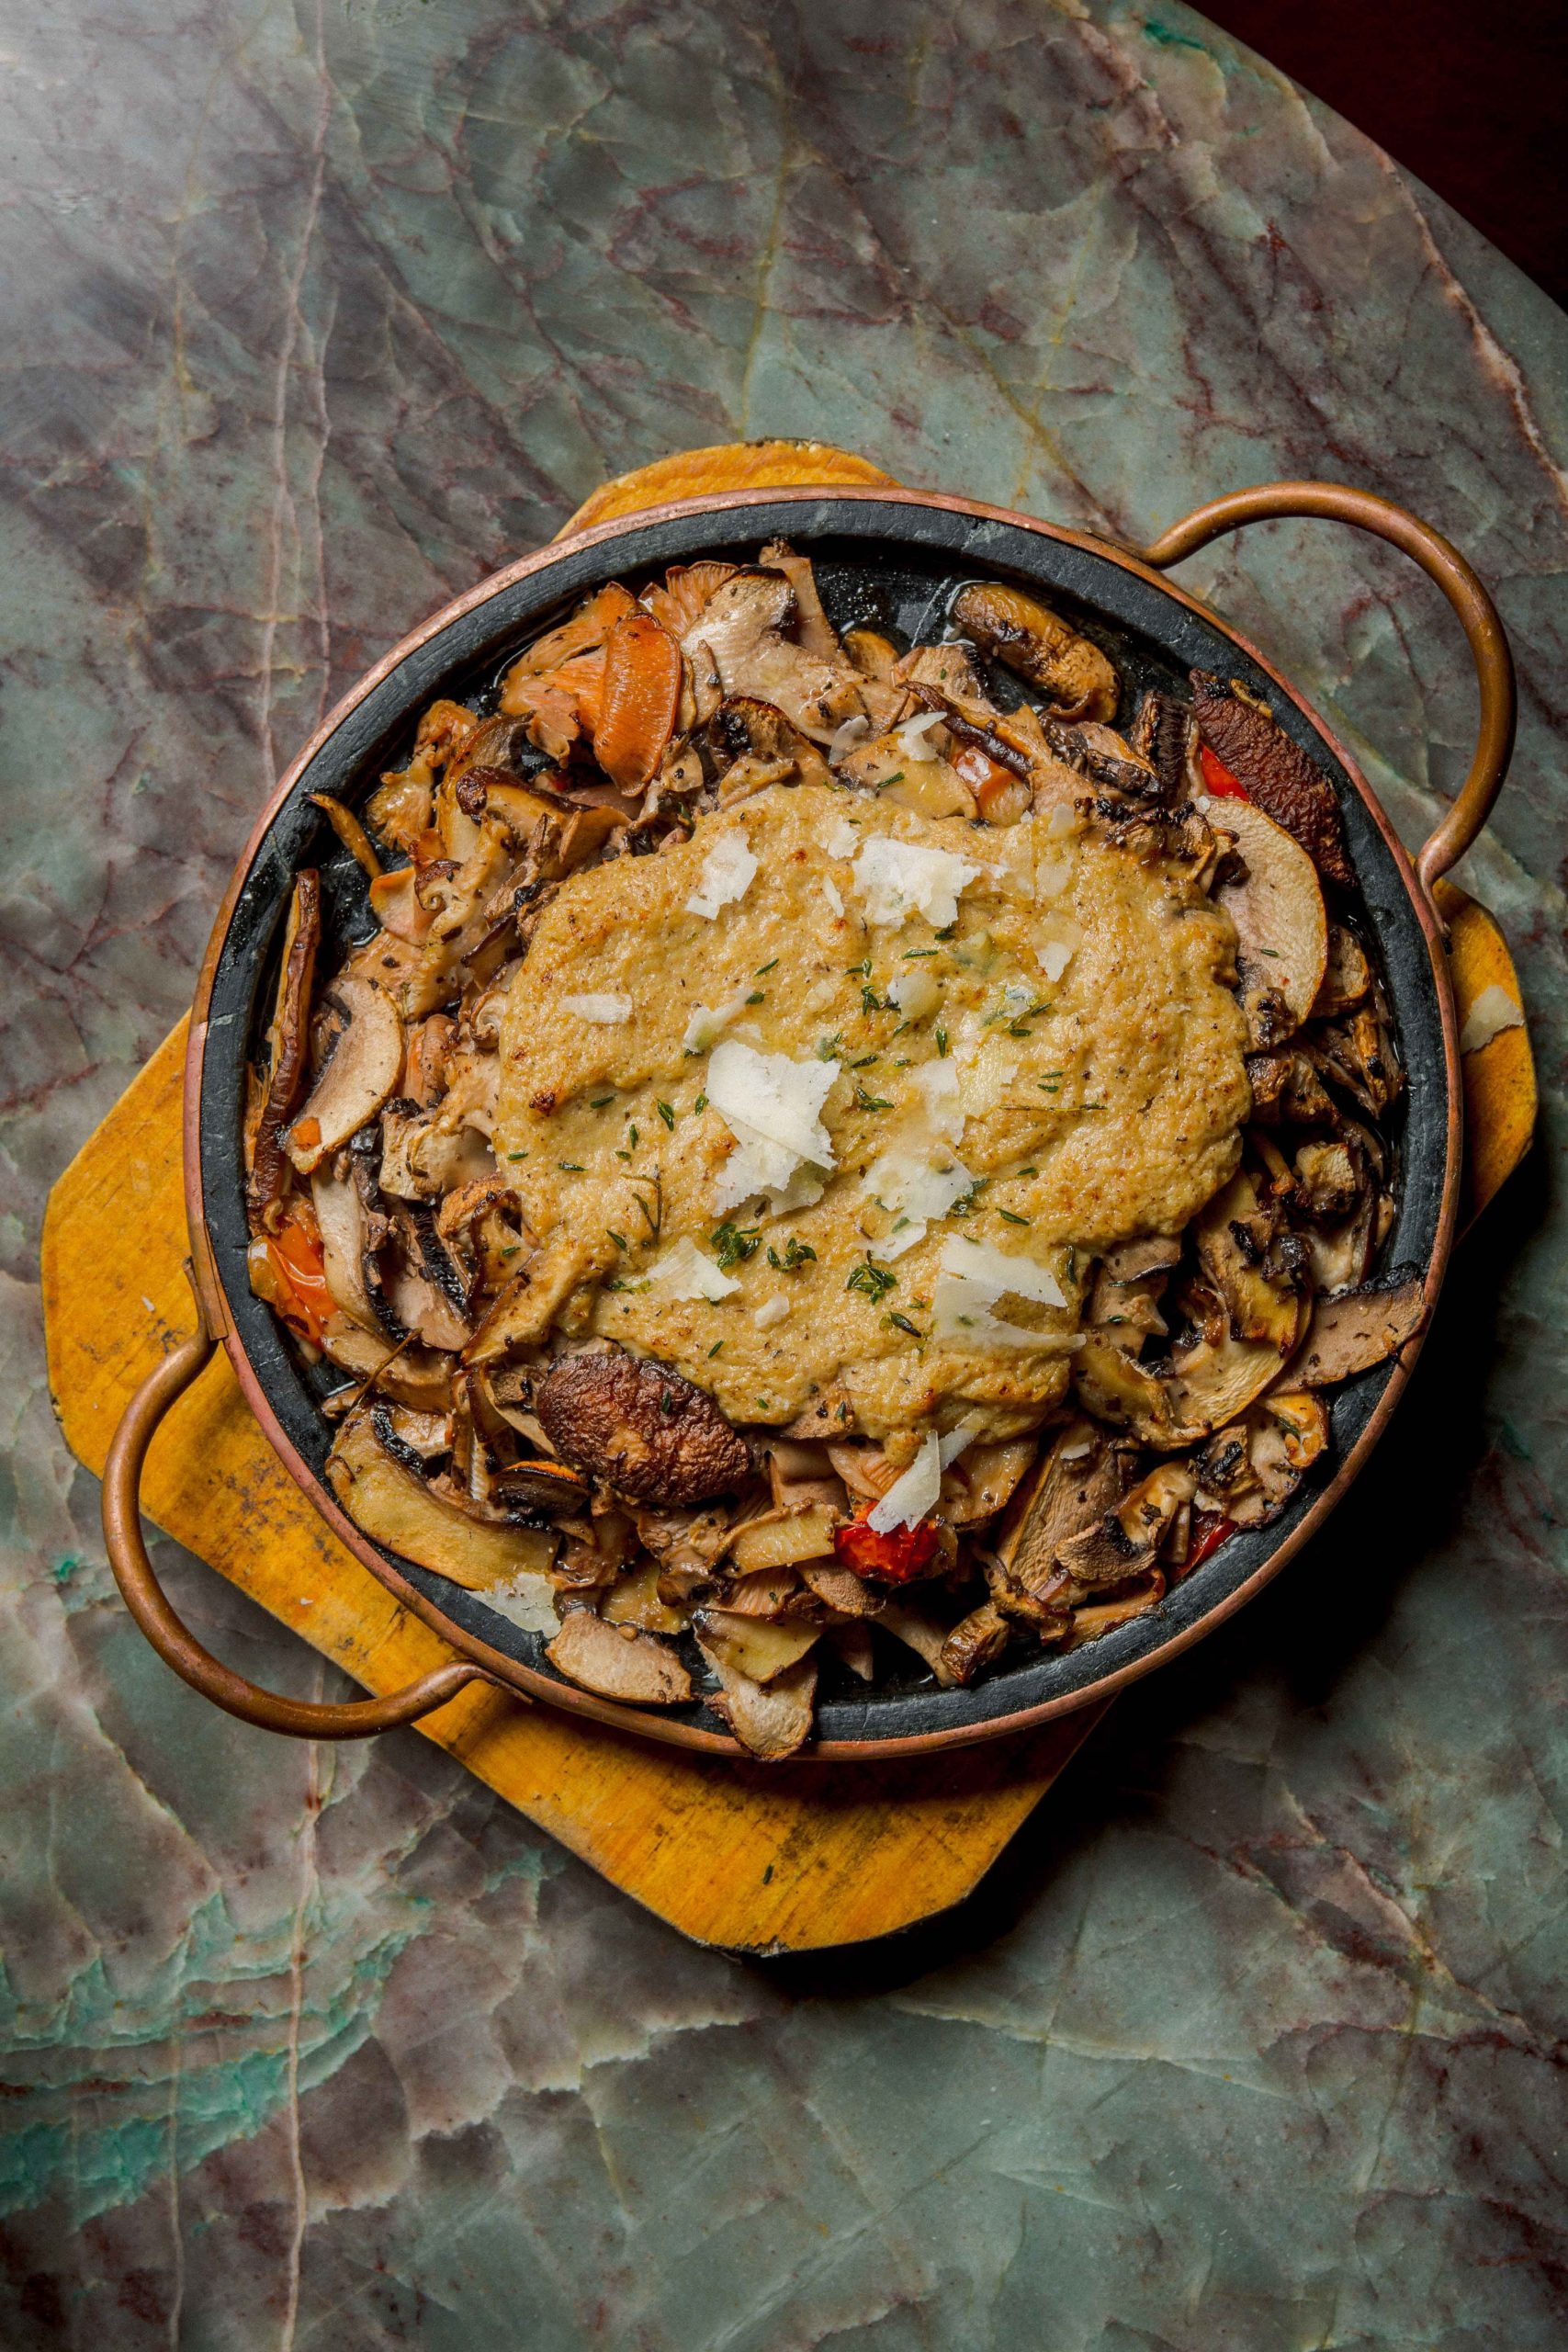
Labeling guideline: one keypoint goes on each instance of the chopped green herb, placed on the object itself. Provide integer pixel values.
(796, 1255)
(1009, 1218)
(1029, 1171)
(623, 1155)
(1091, 1106)
(910, 953)
(869, 1000)
(618, 1238)
(874, 1282)
(951, 933)
(511, 1251)
(571, 1168)
(517, 1155)
(890, 779)
(758, 996)
(766, 967)
(714, 1349)
(859, 971)
(870, 1101)
(941, 1036)
(828, 1046)
(904, 1324)
(631, 1137)
(733, 1244)
(701, 1103)
(600, 1102)
(667, 1114)
(864, 1062)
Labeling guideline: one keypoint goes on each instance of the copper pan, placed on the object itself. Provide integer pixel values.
(901, 536)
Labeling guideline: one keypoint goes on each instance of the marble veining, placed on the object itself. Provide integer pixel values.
(318, 312)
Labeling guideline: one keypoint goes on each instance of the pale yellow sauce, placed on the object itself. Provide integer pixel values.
(1102, 1105)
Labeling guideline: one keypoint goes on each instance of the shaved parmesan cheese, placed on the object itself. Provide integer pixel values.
(1056, 942)
(1052, 877)
(772, 1107)
(974, 1276)
(938, 1087)
(915, 994)
(843, 840)
(707, 1021)
(1493, 1011)
(771, 1311)
(727, 874)
(685, 1272)
(957, 1440)
(906, 1182)
(604, 1008)
(909, 736)
(1064, 820)
(852, 733)
(898, 878)
(831, 892)
(1003, 1274)
(912, 1497)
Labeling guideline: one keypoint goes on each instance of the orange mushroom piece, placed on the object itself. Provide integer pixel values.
(641, 697)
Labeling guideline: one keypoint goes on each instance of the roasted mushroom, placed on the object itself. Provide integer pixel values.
(1281, 928)
(1073, 675)
(619, 1662)
(1274, 771)
(646, 1430)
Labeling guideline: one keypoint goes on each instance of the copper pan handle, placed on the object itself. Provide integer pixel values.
(1440, 561)
(145, 1598)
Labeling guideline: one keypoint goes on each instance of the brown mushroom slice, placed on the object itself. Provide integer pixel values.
(760, 1648)
(344, 1225)
(813, 627)
(635, 1599)
(619, 1662)
(1287, 1090)
(1348, 975)
(874, 655)
(1164, 734)
(1131, 1261)
(779, 1543)
(984, 1479)
(747, 745)
(1075, 676)
(385, 1496)
(840, 1589)
(771, 1593)
(1208, 1384)
(1358, 1328)
(1123, 1542)
(406, 1375)
(740, 630)
(288, 1042)
(1084, 1475)
(1280, 922)
(537, 1484)
(1250, 1470)
(1236, 1238)
(977, 1641)
(771, 1719)
(643, 1428)
(1102, 1617)
(1278, 778)
(360, 1076)
(1357, 1052)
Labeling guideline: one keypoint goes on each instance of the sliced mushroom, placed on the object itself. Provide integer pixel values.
(1278, 778)
(1205, 1385)
(406, 1375)
(1249, 1263)
(1359, 1328)
(983, 1479)
(1122, 1542)
(538, 1484)
(381, 1487)
(1249, 1470)
(776, 1543)
(643, 1428)
(347, 1240)
(1164, 734)
(874, 655)
(1282, 926)
(1131, 1261)
(1329, 1184)
(747, 745)
(1347, 975)
(977, 1641)
(854, 1648)
(619, 1662)
(635, 1599)
(770, 1592)
(361, 1074)
(1102, 1617)
(760, 1648)
(771, 1720)
(916, 1629)
(1084, 1475)
(1287, 1090)
(287, 1045)
(1075, 676)
(813, 627)
(741, 631)
(1357, 1053)
(840, 1589)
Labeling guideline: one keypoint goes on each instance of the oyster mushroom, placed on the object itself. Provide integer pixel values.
(1085, 1474)
(645, 1429)
(1249, 1470)
(1246, 1259)
(288, 1043)
(773, 1719)
(401, 1373)
(747, 745)
(1281, 924)
(1209, 1381)
(977, 1641)
(361, 1073)
(381, 1486)
(619, 1662)
(1123, 1541)
(1348, 975)
(1358, 1328)
(1075, 676)
(760, 1648)
(741, 630)
(1287, 1090)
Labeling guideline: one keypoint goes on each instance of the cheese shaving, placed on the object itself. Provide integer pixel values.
(831, 892)
(913, 1496)
(728, 873)
(898, 878)
(707, 1021)
(686, 1272)
(852, 733)
(771, 1311)
(972, 1277)
(1493, 1011)
(915, 994)
(603, 1008)
(843, 839)
(772, 1107)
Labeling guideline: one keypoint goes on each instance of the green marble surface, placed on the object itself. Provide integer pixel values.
(315, 313)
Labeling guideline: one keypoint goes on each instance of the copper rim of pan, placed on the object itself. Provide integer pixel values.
(644, 1723)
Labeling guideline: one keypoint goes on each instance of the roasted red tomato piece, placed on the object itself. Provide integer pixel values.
(894, 1558)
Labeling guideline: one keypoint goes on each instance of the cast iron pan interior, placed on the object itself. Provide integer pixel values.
(881, 564)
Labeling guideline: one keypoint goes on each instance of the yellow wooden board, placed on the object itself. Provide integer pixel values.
(743, 1856)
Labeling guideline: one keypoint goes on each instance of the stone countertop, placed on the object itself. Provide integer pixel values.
(317, 313)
